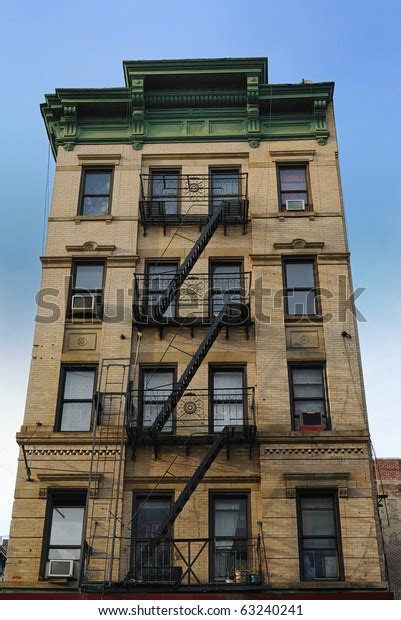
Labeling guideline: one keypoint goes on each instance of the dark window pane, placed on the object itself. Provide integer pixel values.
(95, 205)
(317, 502)
(97, 182)
(293, 176)
(66, 526)
(89, 277)
(301, 302)
(226, 284)
(159, 278)
(157, 387)
(300, 275)
(320, 565)
(293, 196)
(318, 523)
(225, 186)
(151, 515)
(165, 187)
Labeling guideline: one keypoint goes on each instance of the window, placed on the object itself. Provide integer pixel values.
(319, 536)
(227, 392)
(159, 276)
(149, 516)
(164, 188)
(156, 386)
(300, 288)
(226, 284)
(63, 527)
(229, 530)
(87, 288)
(308, 397)
(96, 192)
(225, 186)
(293, 185)
(77, 390)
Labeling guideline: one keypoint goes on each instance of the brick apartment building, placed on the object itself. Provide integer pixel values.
(389, 487)
(195, 420)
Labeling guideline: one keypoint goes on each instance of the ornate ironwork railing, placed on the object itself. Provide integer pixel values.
(167, 197)
(198, 411)
(198, 300)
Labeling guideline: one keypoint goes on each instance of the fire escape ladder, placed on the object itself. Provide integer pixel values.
(175, 396)
(190, 260)
(100, 549)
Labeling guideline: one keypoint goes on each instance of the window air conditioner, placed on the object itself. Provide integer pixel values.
(83, 302)
(295, 205)
(60, 568)
(311, 421)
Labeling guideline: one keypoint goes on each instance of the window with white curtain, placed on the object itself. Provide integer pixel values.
(157, 387)
(227, 397)
(226, 284)
(76, 402)
(230, 532)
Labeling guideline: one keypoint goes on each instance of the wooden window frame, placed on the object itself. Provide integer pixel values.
(322, 493)
(83, 195)
(305, 166)
(301, 259)
(312, 365)
(52, 495)
(61, 400)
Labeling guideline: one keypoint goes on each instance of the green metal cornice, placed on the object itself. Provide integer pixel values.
(195, 67)
(188, 100)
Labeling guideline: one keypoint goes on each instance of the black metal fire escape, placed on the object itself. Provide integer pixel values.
(232, 313)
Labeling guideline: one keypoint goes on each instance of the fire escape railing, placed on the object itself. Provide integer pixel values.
(196, 301)
(198, 561)
(191, 199)
(199, 411)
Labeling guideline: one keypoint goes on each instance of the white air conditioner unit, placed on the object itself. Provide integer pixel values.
(311, 420)
(83, 302)
(60, 569)
(295, 205)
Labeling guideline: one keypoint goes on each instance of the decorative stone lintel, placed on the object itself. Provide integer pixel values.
(299, 155)
(85, 159)
(339, 480)
(90, 246)
(55, 262)
(334, 258)
(265, 259)
(299, 244)
(58, 480)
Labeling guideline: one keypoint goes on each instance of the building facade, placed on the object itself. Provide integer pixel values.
(195, 418)
(389, 486)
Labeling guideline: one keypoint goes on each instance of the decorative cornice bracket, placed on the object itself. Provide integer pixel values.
(138, 113)
(319, 111)
(252, 110)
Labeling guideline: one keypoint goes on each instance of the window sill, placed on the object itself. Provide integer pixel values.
(303, 319)
(282, 215)
(93, 218)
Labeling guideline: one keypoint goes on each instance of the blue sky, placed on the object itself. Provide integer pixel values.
(82, 44)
